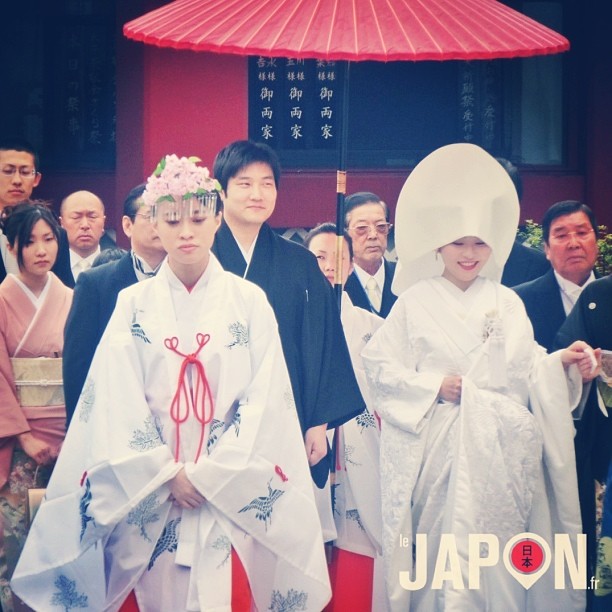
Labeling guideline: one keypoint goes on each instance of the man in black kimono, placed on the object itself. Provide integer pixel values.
(324, 385)
(589, 320)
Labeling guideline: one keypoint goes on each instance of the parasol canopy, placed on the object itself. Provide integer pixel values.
(348, 30)
(357, 30)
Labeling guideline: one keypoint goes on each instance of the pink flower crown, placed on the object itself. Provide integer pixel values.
(178, 178)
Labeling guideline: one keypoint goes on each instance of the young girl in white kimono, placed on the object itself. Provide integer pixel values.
(477, 432)
(183, 471)
(354, 517)
(34, 305)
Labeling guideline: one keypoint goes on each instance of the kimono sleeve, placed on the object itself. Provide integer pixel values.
(256, 477)
(402, 395)
(12, 419)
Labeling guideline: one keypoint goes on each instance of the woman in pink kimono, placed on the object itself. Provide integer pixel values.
(33, 308)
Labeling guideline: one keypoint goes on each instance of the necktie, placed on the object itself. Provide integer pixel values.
(81, 266)
(373, 293)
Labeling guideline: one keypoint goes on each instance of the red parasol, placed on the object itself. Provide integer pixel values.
(357, 30)
(352, 30)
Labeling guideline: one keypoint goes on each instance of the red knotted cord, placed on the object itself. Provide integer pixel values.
(200, 392)
(280, 472)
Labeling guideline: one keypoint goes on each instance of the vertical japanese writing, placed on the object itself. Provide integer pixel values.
(83, 120)
(297, 83)
(489, 112)
(267, 90)
(467, 101)
(479, 99)
(293, 102)
(327, 82)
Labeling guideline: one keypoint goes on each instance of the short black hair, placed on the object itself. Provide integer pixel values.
(130, 208)
(566, 207)
(513, 173)
(328, 228)
(108, 255)
(20, 144)
(240, 154)
(18, 221)
(359, 199)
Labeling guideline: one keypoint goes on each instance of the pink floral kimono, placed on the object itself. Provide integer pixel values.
(28, 331)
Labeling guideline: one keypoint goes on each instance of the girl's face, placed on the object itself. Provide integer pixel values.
(187, 235)
(464, 259)
(324, 246)
(40, 253)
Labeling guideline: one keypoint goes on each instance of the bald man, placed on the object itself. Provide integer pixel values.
(82, 216)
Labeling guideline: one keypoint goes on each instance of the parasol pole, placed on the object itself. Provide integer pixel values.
(341, 184)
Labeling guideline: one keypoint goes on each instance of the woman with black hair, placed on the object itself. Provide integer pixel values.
(34, 305)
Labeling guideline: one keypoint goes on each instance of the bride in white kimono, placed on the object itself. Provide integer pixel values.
(477, 432)
(185, 458)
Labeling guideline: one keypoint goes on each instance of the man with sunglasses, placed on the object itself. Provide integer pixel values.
(19, 175)
(367, 222)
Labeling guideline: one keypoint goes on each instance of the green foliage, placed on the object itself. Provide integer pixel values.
(531, 235)
(604, 262)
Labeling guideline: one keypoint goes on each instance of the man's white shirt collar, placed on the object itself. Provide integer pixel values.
(79, 264)
(570, 292)
(364, 276)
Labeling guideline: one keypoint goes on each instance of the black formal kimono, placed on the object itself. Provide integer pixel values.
(542, 299)
(523, 265)
(322, 377)
(591, 320)
(93, 302)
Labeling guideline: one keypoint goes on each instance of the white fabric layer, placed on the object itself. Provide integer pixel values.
(108, 526)
(357, 511)
(458, 190)
(488, 465)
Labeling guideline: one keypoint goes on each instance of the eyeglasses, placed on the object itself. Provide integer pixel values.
(380, 228)
(145, 216)
(24, 171)
(564, 237)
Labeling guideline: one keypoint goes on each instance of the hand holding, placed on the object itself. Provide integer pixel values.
(587, 360)
(450, 389)
(35, 448)
(184, 493)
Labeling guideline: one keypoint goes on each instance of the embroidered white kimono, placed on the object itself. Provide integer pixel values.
(107, 525)
(356, 491)
(486, 466)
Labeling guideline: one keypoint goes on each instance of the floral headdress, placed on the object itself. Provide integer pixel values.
(178, 177)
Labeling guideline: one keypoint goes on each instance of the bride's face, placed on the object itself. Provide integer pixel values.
(464, 259)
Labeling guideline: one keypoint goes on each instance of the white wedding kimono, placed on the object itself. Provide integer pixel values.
(501, 462)
(108, 526)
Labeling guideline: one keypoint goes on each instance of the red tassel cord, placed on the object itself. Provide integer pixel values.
(198, 394)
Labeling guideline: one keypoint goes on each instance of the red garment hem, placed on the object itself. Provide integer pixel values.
(351, 577)
(241, 591)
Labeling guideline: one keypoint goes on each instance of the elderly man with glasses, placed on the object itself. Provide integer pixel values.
(570, 244)
(19, 175)
(367, 223)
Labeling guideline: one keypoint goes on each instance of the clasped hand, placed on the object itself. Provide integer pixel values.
(183, 493)
(582, 355)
